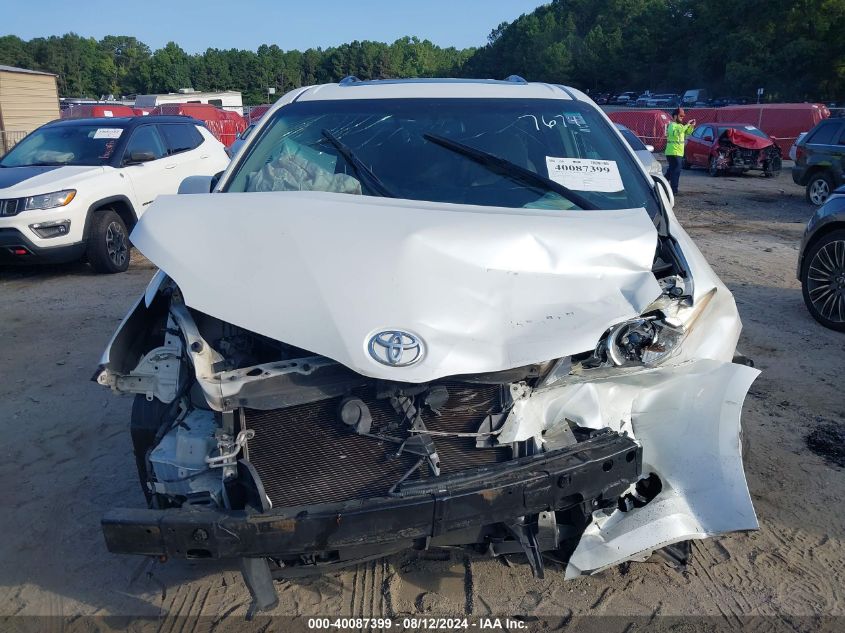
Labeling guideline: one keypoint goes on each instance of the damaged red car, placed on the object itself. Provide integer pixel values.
(732, 147)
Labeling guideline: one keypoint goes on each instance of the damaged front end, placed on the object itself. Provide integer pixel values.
(265, 447)
(740, 150)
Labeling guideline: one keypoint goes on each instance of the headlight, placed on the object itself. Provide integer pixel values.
(641, 342)
(47, 200)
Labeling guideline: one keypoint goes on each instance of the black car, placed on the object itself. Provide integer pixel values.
(821, 263)
(819, 160)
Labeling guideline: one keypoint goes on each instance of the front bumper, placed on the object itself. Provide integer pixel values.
(15, 248)
(596, 472)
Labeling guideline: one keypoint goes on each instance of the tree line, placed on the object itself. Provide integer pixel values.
(792, 48)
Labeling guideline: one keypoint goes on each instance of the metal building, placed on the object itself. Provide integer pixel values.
(28, 99)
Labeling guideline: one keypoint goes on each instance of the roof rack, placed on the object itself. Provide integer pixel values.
(351, 79)
(515, 79)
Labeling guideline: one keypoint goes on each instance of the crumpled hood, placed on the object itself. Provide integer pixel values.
(484, 288)
(16, 182)
(746, 140)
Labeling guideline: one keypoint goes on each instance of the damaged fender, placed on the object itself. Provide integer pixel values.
(668, 410)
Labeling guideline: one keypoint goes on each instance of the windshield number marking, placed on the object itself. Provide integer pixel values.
(583, 174)
(108, 132)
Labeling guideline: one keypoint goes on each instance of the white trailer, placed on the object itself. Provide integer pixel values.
(227, 100)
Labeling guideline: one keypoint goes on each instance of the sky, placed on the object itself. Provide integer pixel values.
(246, 24)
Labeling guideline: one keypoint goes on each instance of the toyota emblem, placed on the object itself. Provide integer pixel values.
(395, 348)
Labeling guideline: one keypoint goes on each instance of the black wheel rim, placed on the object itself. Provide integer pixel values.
(826, 281)
(819, 191)
(116, 245)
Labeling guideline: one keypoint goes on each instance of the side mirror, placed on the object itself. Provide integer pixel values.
(196, 184)
(650, 148)
(140, 157)
(707, 137)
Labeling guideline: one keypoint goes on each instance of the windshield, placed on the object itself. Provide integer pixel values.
(65, 145)
(463, 151)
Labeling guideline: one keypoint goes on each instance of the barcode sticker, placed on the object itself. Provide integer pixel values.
(585, 174)
(108, 132)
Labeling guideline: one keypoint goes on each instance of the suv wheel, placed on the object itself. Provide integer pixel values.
(108, 243)
(819, 188)
(823, 280)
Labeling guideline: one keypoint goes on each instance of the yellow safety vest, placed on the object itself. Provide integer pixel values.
(675, 134)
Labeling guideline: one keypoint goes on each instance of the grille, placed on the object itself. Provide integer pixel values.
(305, 455)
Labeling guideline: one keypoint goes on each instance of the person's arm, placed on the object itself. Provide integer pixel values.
(689, 127)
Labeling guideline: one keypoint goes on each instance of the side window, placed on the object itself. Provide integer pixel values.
(698, 132)
(180, 137)
(825, 133)
(145, 139)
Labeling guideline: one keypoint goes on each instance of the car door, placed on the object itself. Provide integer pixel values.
(694, 146)
(149, 178)
(187, 150)
(838, 158)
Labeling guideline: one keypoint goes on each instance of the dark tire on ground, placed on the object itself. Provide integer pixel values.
(108, 243)
(711, 167)
(772, 168)
(823, 280)
(685, 164)
(819, 188)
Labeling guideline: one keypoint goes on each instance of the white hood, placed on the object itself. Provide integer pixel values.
(18, 182)
(484, 288)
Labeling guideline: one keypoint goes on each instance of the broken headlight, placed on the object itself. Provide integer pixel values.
(641, 341)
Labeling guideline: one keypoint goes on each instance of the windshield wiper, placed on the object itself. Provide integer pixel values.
(511, 170)
(363, 172)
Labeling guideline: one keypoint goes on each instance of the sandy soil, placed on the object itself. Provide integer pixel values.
(66, 458)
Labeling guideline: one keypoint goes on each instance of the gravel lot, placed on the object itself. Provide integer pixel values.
(67, 457)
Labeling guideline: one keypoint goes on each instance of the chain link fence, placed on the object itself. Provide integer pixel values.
(784, 128)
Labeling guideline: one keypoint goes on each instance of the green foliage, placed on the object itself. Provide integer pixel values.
(792, 48)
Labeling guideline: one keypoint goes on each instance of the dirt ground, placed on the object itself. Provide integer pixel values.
(66, 458)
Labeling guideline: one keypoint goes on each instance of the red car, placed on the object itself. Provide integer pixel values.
(731, 147)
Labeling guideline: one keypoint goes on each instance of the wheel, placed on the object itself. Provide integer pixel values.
(823, 280)
(819, 188)
(685, 164)
(772, 167)
(712, 168)
(108, 243)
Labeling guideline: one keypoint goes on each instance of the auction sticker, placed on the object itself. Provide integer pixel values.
(585, 174)
(108, 132)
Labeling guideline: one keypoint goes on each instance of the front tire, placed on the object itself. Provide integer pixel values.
(819, 188)
(685, 164)
(823, 281)
(108, 243)
(712, 167)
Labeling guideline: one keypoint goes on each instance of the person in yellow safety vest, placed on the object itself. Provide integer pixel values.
(676, 132)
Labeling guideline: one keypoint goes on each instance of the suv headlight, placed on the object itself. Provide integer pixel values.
(47, 200)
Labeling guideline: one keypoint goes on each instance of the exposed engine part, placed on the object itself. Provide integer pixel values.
(178, 461)
(228, 448)
(355, 413)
